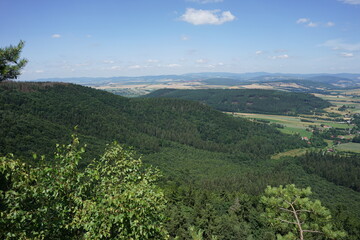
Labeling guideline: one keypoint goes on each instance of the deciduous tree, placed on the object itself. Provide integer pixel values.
(113, 198)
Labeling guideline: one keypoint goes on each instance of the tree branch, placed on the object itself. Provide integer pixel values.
(287, 210)
(312, 231)
(298, 223)
(304, 211)
(285, 221)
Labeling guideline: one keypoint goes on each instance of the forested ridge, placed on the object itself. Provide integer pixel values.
(37, 115)
(215, 167)
(342, 170)
(249, 100)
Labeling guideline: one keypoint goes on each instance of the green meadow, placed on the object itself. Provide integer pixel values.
(349, 147)
(292, 125)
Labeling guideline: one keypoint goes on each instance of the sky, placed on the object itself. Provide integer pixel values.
(106, 38)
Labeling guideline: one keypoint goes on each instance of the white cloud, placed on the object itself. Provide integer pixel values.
(81, 64)
(312, 24)
(206, 1)
(220, 64)
(338, 44)
(115, 67)
(201, 17)
(347, 54)
(309, 23)
(108, 61)
(352, 2)
(134, 67)
(259, 52)
(284, 56)
(173, 65)
(302, 20)
(152, 61)
(185, 38)
(39, 71)
(201, 61)
(281, 50)
(56, 36)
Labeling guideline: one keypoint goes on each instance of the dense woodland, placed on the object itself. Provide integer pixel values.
(37, 116)
(214, 167)
(341, 170)
(249, 100)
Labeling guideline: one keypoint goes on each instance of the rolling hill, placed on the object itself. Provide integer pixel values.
(314, 83)
(249, 100)
(37, 115)
(212, 162)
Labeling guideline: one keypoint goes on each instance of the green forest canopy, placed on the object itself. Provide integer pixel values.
(38, 115)
(249, 100)
(215, 166)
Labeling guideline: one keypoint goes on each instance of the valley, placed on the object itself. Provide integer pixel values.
(345, 103)
(209, 160)
(180, 120)
(340, 90)
(141, 85)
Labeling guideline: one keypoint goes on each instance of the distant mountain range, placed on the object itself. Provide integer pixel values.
(255, 76)
(321, 82)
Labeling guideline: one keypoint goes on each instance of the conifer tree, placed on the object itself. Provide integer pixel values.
(295, 216)
(10, 62)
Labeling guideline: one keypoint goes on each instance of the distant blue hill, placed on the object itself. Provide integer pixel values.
(331, 81)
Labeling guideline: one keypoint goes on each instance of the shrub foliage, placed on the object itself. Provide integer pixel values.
(113, 198)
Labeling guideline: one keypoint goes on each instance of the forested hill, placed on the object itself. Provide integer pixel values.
(249, 100)
(215, 166)
(36, 116)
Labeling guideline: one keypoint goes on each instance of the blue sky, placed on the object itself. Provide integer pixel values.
(93, 38)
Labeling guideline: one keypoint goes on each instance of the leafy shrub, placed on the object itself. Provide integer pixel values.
(113, 198)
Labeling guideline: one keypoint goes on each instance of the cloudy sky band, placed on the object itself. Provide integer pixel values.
(143, 37)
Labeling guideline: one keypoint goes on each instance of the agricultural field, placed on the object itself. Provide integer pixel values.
(349, 147)
(345, 103)
(349, 98)
(301, 124)
(293, 125)
(291, 153)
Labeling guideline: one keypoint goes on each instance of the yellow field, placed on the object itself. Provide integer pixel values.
(291, 153)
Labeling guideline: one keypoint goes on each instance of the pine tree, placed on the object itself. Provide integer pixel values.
(294, 215)
(10, 62)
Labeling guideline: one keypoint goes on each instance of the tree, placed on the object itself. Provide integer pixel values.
(356, 139)
(198, 235)
(294, 215)
(113, 198)
(10, 62)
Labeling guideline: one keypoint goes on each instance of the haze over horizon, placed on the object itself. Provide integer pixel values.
(89, 38)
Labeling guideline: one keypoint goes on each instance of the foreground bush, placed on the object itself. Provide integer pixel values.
(113, 198)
